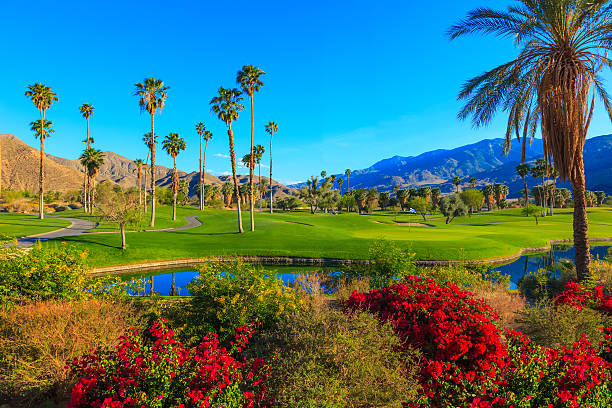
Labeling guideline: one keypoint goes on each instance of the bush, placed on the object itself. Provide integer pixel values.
(462, 348)
(326, 358)
(466, 276)
(226, 296)
(37, 339)
(388, 263)
(157, 371)
(543, 377)
(556, 326)
(43, 274)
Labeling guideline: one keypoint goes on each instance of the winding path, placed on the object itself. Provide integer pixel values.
(79, 226)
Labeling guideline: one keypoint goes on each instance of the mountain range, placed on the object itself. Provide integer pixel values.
(482, 160)
(20, 163)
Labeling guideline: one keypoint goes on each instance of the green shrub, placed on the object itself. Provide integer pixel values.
(226, 296)
(327, 358)
(51, 273)
(388, 263)
(466, 276)
(38, 339)
(555, 326)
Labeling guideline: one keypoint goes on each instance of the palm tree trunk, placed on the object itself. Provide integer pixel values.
(84, 190)
(201, 178)
(87, 120)
(259, 195)
(271, 195)
(174, 189)
(152, 170)
(123, 243)
(251, 170)
(144, 182)
(582, 255)
(236, 191)
(139, 188)
(526, 194)
(92, 196)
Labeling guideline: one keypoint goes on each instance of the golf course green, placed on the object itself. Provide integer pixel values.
(480, 236)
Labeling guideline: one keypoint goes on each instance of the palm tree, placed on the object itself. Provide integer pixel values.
(227, 106)
(564, 45)
(139, 165)
(271, 128)
(152, 96)
(227, 189)
(92, 160)
(489, 192)
(173, 144)
(42, 97)
(206, 135)
(249, 79)
(347, 173)
(339, 182)
(456, 182)
(473, 182)
(539, 170)
(259, 151)
(86, 110)
(523, 170)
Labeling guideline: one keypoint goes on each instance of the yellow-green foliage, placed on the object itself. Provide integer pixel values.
(37, 339)
(226, 296)
(51, 273)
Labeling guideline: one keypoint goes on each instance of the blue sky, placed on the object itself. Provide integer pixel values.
(348, 82)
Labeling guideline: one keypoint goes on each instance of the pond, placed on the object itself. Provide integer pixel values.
(161, 280)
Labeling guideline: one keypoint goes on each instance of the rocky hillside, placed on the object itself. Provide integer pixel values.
(21, 163)
(20, 169)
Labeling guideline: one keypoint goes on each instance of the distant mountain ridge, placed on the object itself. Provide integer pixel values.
(20, 170)
(483, 160)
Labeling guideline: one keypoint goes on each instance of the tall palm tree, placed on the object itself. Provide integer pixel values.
(473, 182)
(227, 106)
(152, 96)
(139, 165)
(204, 135)
(92, 160)
(339, 181)
(173, 144)
(456, 182)
(271, 128)
(347, 173)
(259, 151)
(563, 46)
(86, 110)
(523, 170)
(42, 97)
(249, 79)
(147, 140)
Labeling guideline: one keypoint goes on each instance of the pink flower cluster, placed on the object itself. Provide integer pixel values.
(164, 372)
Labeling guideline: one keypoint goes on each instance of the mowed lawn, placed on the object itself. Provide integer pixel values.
(20, 225)
(481, 236)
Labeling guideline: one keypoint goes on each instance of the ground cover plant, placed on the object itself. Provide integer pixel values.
(348, 236)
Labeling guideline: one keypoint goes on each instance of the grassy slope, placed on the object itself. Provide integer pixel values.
(484, 235)
(20, 225)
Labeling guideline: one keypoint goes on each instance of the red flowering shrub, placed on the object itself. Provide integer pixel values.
(462, 347)
(538, 376)
(579, 296)
(162, 372)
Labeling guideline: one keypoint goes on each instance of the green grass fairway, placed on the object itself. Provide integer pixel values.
(163, 218)
(21, 225)
(484, 235)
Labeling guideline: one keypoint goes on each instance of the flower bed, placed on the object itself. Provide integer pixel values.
(158, 371)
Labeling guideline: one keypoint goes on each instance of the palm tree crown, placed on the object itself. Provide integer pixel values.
(227, 105)
(152, 95)
(42, 96)
(41, 128)
(271, 128)
(249, 79)
(86, 110)
(173, 144)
